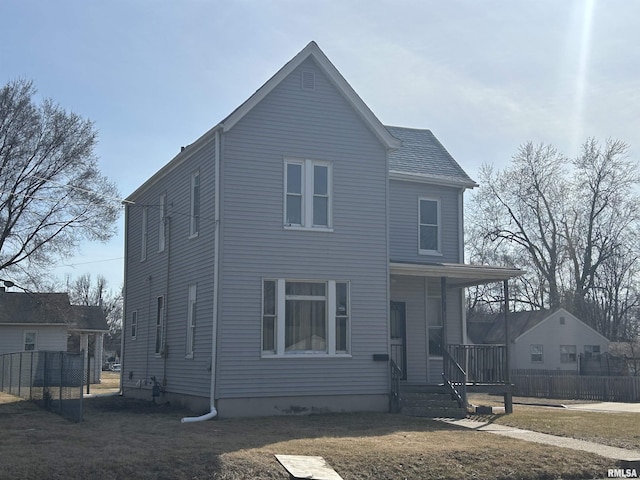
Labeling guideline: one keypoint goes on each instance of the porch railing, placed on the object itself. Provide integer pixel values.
(394, 396)
(455, 379)
(483, 364)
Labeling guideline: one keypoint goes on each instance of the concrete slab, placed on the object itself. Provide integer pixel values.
(606, 407)
(564, 442)
(307, 467)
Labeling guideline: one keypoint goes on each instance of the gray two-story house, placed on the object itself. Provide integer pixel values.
(282, 261)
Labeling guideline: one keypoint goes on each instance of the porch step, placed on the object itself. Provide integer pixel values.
(430, 404)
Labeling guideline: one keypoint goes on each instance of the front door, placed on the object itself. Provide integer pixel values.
(399, 336)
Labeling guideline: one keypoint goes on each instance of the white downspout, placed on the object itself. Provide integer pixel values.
(216, 275)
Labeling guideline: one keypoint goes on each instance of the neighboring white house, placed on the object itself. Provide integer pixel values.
(541, 339)
(44, 321)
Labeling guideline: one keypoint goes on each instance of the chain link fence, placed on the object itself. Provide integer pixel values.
(53, 380)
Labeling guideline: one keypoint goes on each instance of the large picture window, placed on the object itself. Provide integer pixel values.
(307, 202)
(305, 317)
(429, 226)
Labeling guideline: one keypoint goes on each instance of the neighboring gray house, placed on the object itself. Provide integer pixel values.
(541, 339)
(44, 321)
(281, 260)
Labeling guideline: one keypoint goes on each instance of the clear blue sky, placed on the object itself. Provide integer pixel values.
(484, 76)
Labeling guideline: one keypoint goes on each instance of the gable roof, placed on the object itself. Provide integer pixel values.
(489, 329)
(313, 51)
(87, 318)
(33, 308)
(310, 51)
(422, 156)
(49, 309)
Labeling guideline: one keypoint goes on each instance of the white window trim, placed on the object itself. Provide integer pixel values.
(330, 296)
(308, 194)
(193, 233)
(437, 252)
(35, 341)
(537, 362)
(575, 353)
(145, 234)
(134, 325)
(191, 321)
(162, 324)
(161, 223)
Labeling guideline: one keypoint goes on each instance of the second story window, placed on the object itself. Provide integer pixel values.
(428, 226)
(134, 325)
(194, 224)
(307, 202)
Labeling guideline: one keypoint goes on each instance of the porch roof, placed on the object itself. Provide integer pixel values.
(457, 274)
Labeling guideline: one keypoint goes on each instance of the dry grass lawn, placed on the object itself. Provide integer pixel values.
(617, 429)
(122, 438)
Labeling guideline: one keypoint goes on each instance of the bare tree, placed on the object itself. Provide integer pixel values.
(573, 226)
(52, 194)
(83, 291)
(516, 210)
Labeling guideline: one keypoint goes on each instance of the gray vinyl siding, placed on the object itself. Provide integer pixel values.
(184, 261)
(411, 290)
(49, 337)
(316, 125)
(403, 221)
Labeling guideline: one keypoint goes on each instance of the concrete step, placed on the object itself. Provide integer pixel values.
(419, 404)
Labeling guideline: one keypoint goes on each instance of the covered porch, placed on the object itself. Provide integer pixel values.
(429, 348)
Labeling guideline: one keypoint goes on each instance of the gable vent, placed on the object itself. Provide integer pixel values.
(561, 320)
(308, 80)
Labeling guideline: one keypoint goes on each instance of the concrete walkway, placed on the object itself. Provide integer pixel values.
(606, 407)
(529, 436)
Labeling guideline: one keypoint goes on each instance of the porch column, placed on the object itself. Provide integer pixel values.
(508, 399)
(97, 355)
(443, 309)
(84, 347)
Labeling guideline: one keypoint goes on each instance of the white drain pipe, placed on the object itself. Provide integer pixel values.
(214, 330)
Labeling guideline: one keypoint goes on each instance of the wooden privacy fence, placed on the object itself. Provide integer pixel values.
(605, 389)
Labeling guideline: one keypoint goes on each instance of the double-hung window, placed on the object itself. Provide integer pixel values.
(30, 339)
(191, 321)
(428, 226)
(591, 351)
(134, 325)
(568, 354)
(307, 202)
(537, 353)
(194, 223)
(159, 326)
(305, 317)
(434, 323)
